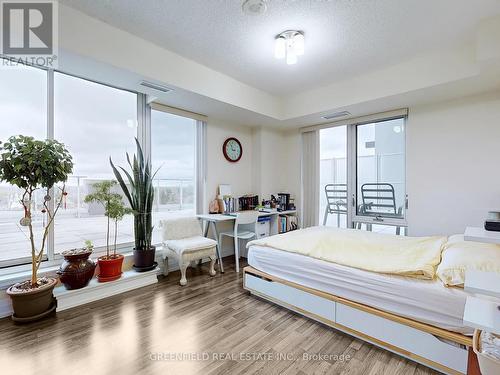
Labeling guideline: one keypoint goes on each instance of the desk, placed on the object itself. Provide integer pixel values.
(212, 220)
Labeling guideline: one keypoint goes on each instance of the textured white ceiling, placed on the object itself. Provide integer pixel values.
(344, 38)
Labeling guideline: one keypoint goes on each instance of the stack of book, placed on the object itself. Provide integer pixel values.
(229, 204)
(287, 223)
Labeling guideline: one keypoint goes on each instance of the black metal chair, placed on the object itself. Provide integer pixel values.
(379, 200)
(336, 201)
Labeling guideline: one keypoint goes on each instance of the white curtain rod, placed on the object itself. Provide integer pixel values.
(178, 112)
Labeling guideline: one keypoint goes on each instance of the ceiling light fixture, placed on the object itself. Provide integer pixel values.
(289, 44)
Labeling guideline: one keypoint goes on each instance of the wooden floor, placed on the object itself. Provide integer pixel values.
(211, 326)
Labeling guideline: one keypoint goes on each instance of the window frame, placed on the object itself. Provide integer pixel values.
(199, 152)
(144, 137)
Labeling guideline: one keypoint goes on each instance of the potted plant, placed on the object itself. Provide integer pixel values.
(77, 269)
(31, 165)
(140, 195)
(110, 265)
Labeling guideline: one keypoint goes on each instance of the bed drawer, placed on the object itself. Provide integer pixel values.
(407, 338)
(310, 304)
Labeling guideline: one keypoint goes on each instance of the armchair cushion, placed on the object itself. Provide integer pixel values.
(190, 244)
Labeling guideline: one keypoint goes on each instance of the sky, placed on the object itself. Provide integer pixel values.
(93, 121)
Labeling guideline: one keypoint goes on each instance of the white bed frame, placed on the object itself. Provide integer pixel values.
(442, 350)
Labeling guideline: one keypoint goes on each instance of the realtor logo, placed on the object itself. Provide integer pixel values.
(29, 31)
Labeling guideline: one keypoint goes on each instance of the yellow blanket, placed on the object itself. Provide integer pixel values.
(383, 253)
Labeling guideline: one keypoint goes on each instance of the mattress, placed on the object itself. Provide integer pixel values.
(427, 301)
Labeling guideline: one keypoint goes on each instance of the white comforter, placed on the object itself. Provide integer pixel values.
(383, 253)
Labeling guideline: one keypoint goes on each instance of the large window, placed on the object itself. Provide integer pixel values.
(23, 110)
(173, 148)
(363, 185)
(95, 122)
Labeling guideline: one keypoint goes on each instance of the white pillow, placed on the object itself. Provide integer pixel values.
(459, 255)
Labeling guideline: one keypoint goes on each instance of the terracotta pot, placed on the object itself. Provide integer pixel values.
(110, 268)
(144, 258)
(77, 269)
(32, 304)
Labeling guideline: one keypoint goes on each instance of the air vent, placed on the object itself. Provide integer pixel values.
(336, 115)
(154, 86)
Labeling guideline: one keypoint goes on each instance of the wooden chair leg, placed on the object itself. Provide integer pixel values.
(183, 267)
(212, 264)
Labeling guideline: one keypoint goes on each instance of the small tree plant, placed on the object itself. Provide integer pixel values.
(116, 212)
(114, 209)
(31, 165)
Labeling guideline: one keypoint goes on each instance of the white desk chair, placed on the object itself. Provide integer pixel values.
(245, 228)
(182, 240)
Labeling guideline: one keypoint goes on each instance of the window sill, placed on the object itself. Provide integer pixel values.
(21, 273)
(15, 274)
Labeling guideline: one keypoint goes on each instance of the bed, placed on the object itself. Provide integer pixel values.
(426, 301)
(418, 319)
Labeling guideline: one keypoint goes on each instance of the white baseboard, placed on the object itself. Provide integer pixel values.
(95, 291)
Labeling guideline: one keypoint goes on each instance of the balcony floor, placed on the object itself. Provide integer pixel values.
(70, 231)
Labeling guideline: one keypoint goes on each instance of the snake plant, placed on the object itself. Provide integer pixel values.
(140, 194)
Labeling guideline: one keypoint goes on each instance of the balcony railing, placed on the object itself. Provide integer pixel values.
(171, 194)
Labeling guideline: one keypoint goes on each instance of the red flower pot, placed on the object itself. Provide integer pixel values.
(110, 268)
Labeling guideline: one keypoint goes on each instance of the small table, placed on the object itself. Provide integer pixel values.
(482, 311)
(478, 234)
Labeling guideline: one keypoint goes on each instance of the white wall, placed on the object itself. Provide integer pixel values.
(221, 171)
(270, 163)
(453, 164)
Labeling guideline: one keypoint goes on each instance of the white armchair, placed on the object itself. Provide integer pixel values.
(183, 240)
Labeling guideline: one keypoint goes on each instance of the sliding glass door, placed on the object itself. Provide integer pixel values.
(380, 175)
(362, 176)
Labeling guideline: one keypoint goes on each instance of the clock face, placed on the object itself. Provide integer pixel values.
(232, 149)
